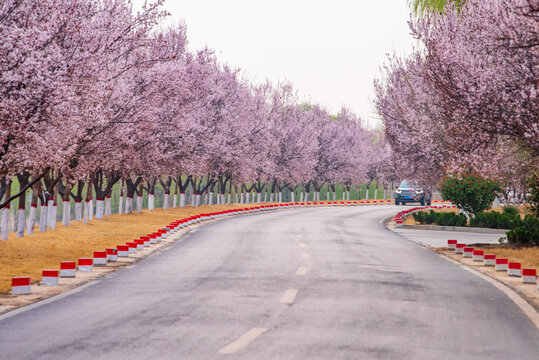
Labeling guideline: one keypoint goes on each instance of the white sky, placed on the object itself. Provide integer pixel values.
(330, 50)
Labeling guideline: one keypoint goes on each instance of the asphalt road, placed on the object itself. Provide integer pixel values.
(324, 283)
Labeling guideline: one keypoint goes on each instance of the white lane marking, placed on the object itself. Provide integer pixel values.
(305, 255)
(289, 296)
(302, 270)
(302, 245)
(511, 294)
(243, 341)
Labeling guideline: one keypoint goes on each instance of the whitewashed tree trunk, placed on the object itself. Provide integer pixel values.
(292, 196)
(128, 204)
(343, 195)
(259, 198)
(210, 198)
(78, 210)
(91, 210)
(175, 201)
(99, 209)
(182, 199)
(32, 220)
(151, 202)
(280, 196)
(223, 198)
(121, 204)
(367, 194)
(247, 197)
(266, 196)
(241, 198)
(198, 198)
(193, 199)
(21, 222)
(271, 197)
(108, 206)
(301, 196)
(66, 213)
(43, 217)
(334, 196)
(348, 195)
(86, 212)
(166, 201)
(5, 223)
(376, 193)
(327, 195)
(139, 203)
(236, 198)
(51, 214)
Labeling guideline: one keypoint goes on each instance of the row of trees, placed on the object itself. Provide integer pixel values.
(93, 95)
(466, 99)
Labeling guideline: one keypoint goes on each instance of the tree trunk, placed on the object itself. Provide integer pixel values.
(182, 199)
(33, 209)
(5, 213)
(121, 199)
(108, 206)
(210, 198)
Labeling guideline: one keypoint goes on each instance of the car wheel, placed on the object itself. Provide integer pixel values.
(422, 202)
(397, 203)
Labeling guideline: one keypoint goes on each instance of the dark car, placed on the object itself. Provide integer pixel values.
(409, 192)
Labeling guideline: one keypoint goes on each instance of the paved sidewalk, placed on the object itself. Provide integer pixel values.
(435, 238)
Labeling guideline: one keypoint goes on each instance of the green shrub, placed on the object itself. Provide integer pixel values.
(526, 233)
(508, 219)
(443, 219)
(470, 192)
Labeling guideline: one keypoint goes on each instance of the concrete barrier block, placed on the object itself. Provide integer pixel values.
(50, 277)
(112, 254)
(529, 276)
(123, 250)
(20, 285)
(459, 248)
(478, 255)
(468, 252)
(514, 269)
(489, 260)
(100, 258)
(501, 264)
(86, 264)
(451, 244)
(68, 269)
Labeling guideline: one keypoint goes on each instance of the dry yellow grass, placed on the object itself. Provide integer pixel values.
(28, 256)
(528, 257)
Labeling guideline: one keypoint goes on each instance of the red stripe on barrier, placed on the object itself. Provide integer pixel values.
(100, 254)
(452, 242)
(529, 272)
(513, 265)
(68, 265)
(20, 281)
(122, 248)
(478, 252)
(490, 257)
(501, 261)
(461, 245)
(86, 261)
(50, 273)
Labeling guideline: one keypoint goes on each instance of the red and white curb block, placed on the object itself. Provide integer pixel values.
(86, 264)
(68, 269)
(478, 255)
(468, 252)
(501, 264)
(112, 255)
(50, 277)
(20, 285)
(489, 260)
(100, 258)
(514, 269)
(529, 276)
(123, 250)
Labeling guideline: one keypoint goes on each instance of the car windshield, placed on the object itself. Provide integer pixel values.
(406, 185)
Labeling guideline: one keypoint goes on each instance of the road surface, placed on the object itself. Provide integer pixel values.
(321, 283)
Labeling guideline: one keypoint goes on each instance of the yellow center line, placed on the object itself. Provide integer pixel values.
(243, 341)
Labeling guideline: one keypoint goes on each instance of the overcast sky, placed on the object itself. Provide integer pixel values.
(330, 50)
